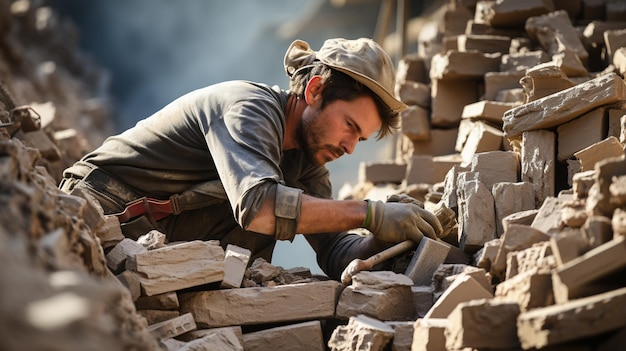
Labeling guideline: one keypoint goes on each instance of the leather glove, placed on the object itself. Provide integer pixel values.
(426, 215)
(395, 221)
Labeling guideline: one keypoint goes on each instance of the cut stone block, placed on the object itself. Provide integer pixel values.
(110, 232)
(456, 65)
(231, 335)
(555, 30)
(496, 167)
(414, 94)
(446, 274)
(512, 14)
(476, 215)
(448, 98)
(429, 334)
(116, 258)
(402, 335)
(535, 258)
(157, 316)
(167, 301)
(581, 132)
(516, 237)
(422, 299)
(576, 278)
(425, 261)
(572, 320)
(510, 198)
(488, 111)
(564, 106)
(481, 138)
(284, 303)
(381, 172)
(464, 288)
(416, 123)
(538, 161)
(530, 290)
(567, 246)
(173, 327)
(594, 153)
(441, 143)
(428, 169)
(235, 262)
(178, 266)
(411, 68)
(497, 328)
(306, 336)
(489, 44)
(386, 296)
(520, 62)
(361, 333)
(496, 82)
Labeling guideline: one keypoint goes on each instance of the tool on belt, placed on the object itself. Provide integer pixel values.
(198, 196)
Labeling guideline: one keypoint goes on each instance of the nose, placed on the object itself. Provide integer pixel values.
(349, 145)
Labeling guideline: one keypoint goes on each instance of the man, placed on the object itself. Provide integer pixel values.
(243, 162)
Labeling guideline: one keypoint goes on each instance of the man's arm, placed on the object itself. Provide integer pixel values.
(316, 215)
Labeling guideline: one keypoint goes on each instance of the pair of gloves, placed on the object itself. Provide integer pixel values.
(400, 218)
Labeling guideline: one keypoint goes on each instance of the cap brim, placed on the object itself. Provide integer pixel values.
(388, 98)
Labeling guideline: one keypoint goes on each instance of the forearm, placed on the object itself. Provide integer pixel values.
(316, 215)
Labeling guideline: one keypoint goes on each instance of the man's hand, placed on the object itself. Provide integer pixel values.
(398, 221)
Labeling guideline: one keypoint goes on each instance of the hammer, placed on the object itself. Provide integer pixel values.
(358, 265)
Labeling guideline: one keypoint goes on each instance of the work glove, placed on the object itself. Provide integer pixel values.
(425, 214)
(397, 221)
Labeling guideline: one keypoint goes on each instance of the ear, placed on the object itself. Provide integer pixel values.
(313, 90)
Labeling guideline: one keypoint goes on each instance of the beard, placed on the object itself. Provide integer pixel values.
(312, 132)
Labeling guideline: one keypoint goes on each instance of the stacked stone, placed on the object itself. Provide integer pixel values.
(516, 124)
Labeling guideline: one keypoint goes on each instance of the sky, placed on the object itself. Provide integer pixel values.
(157, 50)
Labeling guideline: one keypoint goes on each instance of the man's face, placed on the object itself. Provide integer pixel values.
(326, 135)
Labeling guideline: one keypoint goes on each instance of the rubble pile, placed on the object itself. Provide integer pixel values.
(514, 138)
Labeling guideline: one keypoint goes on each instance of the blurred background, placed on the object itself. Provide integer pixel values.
(158, 50)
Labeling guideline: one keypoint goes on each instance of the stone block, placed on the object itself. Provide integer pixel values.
(116, 258)
(448, 98)
(481, 138)
(172, 327)
(305, 336)
(564, 106)
(596, 152)
(488, 111)
(441, 143)
(581, 133)
(361, 333)
(510, 198)
(520, 62)
(259, 305)
(488, 44)
(416, 123)
(476, 214)
(464, 288)
(496, 82)
(178, 266)
(555, 30)
(429, 334)
(377, 172)
(538, 162)
(457, 65)
(235, 262)
(511, 14)
(414, 93)
(425, 261)
(529, 289)
(383, 295)
(576, 278)
(573, 320)
(497, 328)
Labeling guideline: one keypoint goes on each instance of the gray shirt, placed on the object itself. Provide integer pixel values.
(233, 131)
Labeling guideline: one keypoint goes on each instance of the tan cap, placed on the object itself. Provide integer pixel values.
(362, 59)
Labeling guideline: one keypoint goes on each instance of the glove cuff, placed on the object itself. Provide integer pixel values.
(368, 218)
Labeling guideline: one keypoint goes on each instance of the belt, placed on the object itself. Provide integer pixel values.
(155, 209)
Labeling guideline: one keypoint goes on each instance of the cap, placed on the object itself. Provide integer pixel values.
(362, 59)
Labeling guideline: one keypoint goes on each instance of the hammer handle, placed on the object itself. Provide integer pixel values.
(390, 252)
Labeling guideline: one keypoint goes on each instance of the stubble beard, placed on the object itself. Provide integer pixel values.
(311, 135)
